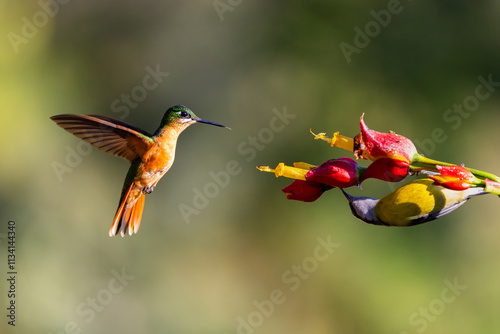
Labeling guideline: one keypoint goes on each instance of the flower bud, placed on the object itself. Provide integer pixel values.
(453, 177)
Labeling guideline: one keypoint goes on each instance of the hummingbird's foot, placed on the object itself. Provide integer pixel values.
(148, 189)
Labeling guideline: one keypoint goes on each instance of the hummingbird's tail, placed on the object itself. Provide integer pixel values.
(129, 213)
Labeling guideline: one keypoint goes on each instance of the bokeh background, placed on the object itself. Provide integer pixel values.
(234, 62)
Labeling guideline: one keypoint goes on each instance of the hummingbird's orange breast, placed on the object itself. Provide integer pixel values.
(156, 162)
(159, 157)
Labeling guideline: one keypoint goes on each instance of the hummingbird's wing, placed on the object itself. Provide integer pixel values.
(107, 134)
(456, 198)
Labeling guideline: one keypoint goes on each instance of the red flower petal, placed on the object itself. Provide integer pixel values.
(460, 172)
(305, 191)
(341, 173)
(372, 145)
(386, 169)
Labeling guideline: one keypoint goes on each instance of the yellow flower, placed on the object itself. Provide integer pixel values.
(337, 140)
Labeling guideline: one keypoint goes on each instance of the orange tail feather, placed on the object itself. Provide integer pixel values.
(129, 213)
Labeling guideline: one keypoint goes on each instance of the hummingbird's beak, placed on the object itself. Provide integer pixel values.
(200, 120)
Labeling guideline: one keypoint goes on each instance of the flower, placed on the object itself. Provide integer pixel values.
(386, 169)
(453, 177)
(296, 172)
(305, 191)
(338, 140)
(340, 173)
(393, 157)
(373, 145)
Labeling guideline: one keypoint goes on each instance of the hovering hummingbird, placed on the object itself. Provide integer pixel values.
(151, 155)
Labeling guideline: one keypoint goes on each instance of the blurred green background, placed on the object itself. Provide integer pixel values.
(234, 62)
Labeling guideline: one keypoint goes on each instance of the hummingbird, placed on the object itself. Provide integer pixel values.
(416, 202)
(150, 155)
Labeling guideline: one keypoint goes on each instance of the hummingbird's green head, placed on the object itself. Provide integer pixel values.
(179, 115)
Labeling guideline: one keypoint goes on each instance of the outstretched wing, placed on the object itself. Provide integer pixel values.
(107, 134)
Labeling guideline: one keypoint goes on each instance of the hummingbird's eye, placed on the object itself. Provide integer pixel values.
(184, 114)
